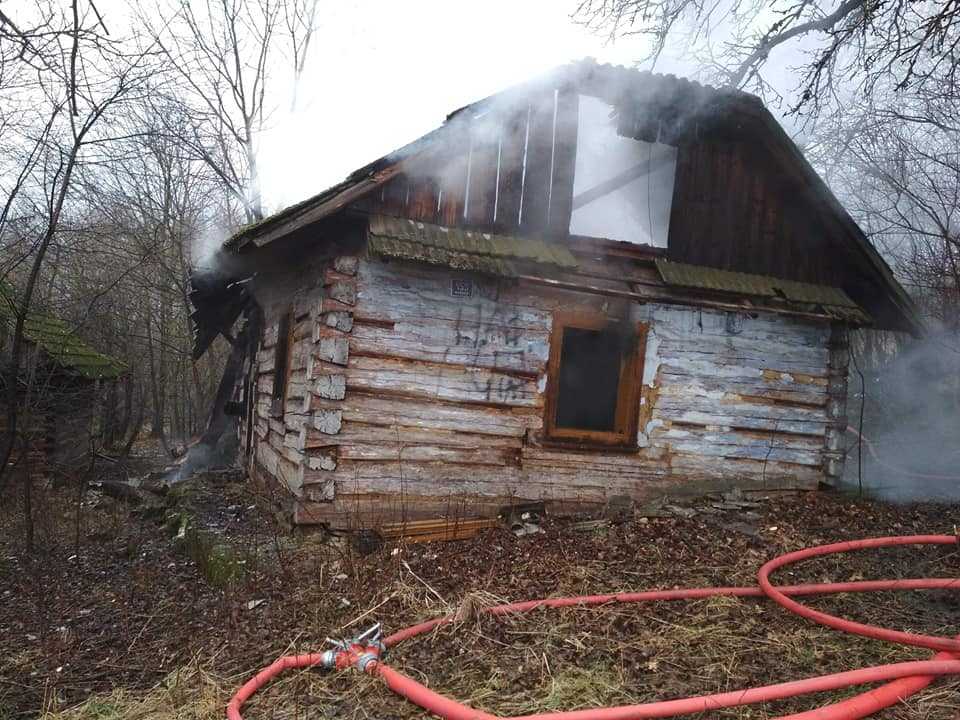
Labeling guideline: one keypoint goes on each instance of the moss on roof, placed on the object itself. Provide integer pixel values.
(834, 301)
(58, 341)
(461, 249)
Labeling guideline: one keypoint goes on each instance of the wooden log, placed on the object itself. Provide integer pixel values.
(336, 319)
(394, 436)
(327, 422)
(450, 382)
(443, 529)
(373, 409)
(332, 349)
(346, 264)
(329, 386)
(343, 291)
(472, 340)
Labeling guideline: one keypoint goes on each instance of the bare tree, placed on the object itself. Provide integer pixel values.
(129, 173)
(226, 53)
(847, 43)
(899, 171)
(150, 201)
(72, 78)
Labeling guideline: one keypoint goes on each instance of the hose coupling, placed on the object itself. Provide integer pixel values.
(364, 660)
(328, 659)
(358, 652)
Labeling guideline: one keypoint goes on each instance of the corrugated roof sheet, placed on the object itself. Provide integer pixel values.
(462, 249)
(59, 342)
(833, 301)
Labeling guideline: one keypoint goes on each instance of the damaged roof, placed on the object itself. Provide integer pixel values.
(462, 249)
(675, 93)
(59, 342)
(832, 301)
(648, 105)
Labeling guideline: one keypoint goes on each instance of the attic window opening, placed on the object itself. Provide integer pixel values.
(622, 187)
(594, 375)
(281, 362)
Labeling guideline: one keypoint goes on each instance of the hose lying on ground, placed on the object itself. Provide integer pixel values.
(902, 679)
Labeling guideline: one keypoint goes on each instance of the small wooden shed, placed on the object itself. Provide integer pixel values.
(60, 384)
(602, 283)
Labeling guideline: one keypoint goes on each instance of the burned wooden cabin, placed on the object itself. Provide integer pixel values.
(603, 283)
(61, 380)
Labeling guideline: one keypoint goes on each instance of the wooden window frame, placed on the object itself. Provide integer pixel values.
(627, 415)
(282, 350)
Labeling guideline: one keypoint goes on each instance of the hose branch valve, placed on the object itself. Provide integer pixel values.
(358, 652)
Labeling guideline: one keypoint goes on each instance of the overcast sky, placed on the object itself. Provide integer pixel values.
(384, 72)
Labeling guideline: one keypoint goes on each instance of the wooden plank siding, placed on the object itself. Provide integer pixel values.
(406, 400)
(732, 209)
(511, 171)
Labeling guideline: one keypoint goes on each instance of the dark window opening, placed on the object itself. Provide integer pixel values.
(594, 376)
(589, 380)
(281, 362)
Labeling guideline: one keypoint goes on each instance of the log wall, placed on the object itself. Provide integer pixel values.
(33, 435)
(404, 399)
(54, 424)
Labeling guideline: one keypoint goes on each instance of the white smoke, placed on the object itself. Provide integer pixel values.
(911, 430)
(206, 244)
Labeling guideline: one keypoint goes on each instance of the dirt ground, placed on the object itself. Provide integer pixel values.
(125, 625)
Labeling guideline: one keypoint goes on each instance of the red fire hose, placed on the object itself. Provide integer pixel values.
(902, 679)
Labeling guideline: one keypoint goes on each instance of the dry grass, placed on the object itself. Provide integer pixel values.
(551, 660)
(191, 693)
(941, 702)
(616, 655)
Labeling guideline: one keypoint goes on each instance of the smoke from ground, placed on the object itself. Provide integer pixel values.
(201, 457)
(911, 447)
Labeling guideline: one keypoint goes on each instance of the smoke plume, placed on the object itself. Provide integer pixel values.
(911, 429)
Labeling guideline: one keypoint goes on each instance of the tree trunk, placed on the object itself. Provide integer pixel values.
(23, 310)
(157, 429)
(127, 416)
(137, 425)
(108, 415)
(27, 495)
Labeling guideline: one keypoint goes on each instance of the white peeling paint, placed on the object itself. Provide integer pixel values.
(651, 359)
(652, 425)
